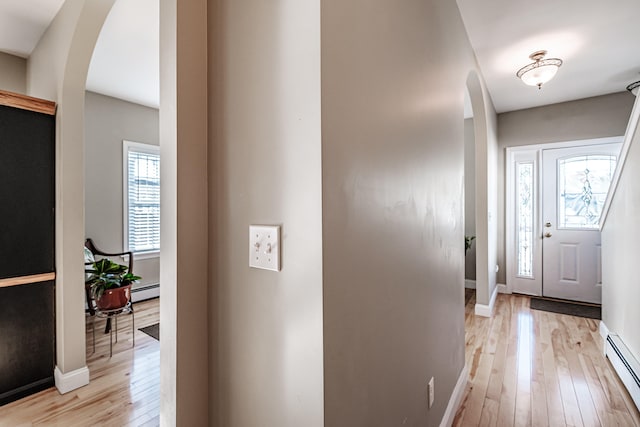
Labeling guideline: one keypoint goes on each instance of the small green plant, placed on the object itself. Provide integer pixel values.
(106, 274)
(468, 241)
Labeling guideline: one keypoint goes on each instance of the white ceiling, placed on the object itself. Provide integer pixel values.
(598, 41)
(22, 23)
(126, 60)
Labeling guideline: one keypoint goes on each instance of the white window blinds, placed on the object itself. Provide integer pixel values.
(142, 198)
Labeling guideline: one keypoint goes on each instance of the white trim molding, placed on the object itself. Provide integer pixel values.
(456, 398)
(469, 284)
(604, 331)
(71, 380)
(487, 310)
(502, 288)
(629, 135)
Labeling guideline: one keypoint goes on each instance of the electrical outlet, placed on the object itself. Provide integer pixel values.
(431, 392)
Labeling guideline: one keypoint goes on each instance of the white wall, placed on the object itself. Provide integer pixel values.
(589, 118)
(109, 121)
(185, 263)
(14, 73)
(470, 196)
(620, 290)
(266, 169)
(57, 70)
(485, 131)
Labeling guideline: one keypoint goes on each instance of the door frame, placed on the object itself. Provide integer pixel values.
(532, 153)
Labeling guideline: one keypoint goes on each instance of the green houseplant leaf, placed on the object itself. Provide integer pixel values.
(105, 274)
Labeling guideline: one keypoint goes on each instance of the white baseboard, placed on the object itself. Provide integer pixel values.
(71, 380)
(456, 398)
(604, 331)
(502, 288)
(487, 310)
(469, 284)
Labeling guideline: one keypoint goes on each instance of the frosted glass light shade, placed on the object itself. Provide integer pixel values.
(541, 71)
(539, 75)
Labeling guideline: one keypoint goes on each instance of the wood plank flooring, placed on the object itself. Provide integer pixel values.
(124, 389)
(534, 368)
(527, 368)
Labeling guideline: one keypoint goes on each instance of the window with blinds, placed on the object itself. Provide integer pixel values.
(142, 197)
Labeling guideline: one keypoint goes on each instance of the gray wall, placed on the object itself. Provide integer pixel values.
(620, 290)
(108, 121)
(13, 73)
(369, 191)
(393, 79)
(266, 169)
(597, 117)
(470, 197)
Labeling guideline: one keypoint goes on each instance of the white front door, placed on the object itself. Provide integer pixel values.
(555, 194)
(575, 182)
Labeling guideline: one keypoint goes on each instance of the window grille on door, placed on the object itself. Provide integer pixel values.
(583, 183)
(524, 185)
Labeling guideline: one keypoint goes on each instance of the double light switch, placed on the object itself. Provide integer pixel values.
(264, 247)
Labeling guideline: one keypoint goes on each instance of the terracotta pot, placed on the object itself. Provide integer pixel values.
(114, 298)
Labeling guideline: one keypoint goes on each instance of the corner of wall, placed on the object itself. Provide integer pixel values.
(66, 382)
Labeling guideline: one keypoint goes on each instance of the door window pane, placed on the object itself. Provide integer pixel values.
(525, 208)
(583, 183)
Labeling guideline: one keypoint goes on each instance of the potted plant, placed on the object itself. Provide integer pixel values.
(110, 284)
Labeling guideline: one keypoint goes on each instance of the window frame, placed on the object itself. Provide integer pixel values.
(139, 147)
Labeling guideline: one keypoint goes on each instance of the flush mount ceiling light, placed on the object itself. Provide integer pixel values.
(634, 87)
(540, 71)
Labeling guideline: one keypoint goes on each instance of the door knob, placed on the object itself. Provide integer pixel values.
(548, 224)
(547, 234)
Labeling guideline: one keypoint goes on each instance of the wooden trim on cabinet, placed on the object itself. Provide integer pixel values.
(24, 280)
(24, 102)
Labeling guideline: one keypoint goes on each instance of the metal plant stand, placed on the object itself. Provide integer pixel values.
(113, 314)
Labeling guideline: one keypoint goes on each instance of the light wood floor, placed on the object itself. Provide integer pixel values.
(533, 368)
(124, 390)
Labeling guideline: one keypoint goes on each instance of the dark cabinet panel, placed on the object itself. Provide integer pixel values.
(27, 239)
(27, 344)
(27, 192)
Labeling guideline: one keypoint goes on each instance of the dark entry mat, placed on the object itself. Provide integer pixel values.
(153, 331)
(564, 307)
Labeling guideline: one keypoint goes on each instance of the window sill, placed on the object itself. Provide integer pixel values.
(143, 255)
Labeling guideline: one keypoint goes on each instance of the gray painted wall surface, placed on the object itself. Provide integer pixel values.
(108, 121)
(597, 117)
(393, 79)
(470, 197)
(13, 73)
(620, 290)
(266, 169)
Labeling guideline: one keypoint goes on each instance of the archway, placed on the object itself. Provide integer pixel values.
(57, 70)
(485, 198)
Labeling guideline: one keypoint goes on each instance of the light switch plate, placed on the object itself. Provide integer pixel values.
(264, 247)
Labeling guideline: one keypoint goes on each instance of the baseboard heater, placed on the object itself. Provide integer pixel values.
(626, 366)
(145, 292)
